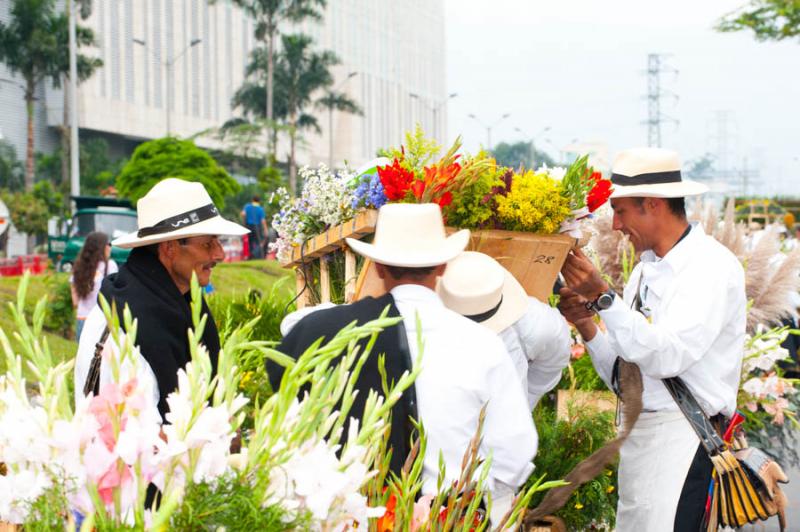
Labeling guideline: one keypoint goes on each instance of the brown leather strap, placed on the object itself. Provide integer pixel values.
(92, 384)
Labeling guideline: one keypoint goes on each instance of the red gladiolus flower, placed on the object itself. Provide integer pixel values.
(599, 194)
(396, 180)
(445, 199)
(386, 522)
(417, 188)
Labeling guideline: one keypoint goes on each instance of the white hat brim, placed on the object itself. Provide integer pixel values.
(450, 248)
(216, 226)
(678, 189)
(515, 304)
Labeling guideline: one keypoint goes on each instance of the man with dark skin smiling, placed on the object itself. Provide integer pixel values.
(682, 315)
(178, 236)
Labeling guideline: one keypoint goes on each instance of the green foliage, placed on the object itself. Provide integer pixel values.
(769, 20)
(574, 184)
(417, 151)
(12, 174)
(230, 503)
(520, 154)
(49, 510)
(581, 375)
(59, 316)
(171, 157)
(28, 213)
(474, 205)
(563, 444)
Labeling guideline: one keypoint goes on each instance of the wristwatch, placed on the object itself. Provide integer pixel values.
(602, 302)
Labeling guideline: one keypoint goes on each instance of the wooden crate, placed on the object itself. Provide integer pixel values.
(533, 259)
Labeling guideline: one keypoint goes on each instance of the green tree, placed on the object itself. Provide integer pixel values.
(769, 20)
(270, 16)
(12, 175)
(170, 157)
(302, 72)
(520, 154)
(34, 44)
(28, 213)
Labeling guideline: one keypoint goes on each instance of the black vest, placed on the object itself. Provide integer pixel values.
(392, 342)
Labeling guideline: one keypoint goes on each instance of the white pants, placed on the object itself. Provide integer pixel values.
(653, 464)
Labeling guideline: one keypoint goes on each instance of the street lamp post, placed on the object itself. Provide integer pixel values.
(434, 109)
(169, 64)
(330, 115)
(532, 141)
(489, 128)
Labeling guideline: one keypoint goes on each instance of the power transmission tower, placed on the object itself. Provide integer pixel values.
(656, 66)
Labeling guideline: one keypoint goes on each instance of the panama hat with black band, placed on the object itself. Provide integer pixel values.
(175, 209)
(476, 286)
(651, 173)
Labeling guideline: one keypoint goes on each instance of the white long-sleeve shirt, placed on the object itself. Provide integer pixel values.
(539, 346)
(692, 324)
(464, 366)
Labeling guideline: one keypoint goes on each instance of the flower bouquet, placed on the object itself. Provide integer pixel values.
(528, 220)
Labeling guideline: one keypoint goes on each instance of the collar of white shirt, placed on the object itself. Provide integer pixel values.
(415, 293)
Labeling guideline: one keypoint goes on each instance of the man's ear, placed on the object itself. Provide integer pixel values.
(381, 270)
(440, 269)
(167, 249)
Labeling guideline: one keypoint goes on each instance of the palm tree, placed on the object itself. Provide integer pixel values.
(302, 72)
(269, 15)
(34, 45)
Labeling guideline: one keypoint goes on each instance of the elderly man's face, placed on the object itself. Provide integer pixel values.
(197, 254)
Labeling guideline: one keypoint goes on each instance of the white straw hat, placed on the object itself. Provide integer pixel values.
(411, 236)
(478, 287)
(173, 209)
(651, 173)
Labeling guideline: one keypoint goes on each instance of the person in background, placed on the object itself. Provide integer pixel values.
(92, 265)
(535, 334)
(256, 220)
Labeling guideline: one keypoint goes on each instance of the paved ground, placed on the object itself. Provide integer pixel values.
(793, 515)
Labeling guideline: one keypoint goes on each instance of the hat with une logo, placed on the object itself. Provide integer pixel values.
(173, 209)
(651, 173)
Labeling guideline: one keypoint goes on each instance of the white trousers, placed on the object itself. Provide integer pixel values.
(653, 464)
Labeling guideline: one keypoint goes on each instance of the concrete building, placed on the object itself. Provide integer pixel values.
(174, 65)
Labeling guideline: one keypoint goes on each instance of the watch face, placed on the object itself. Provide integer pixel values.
(605, 301)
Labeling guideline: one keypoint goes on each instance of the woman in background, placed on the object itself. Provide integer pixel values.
(92, 265)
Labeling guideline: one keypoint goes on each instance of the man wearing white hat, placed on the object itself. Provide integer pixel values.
(177, 237)
(682, 315)
(535, 334)
(464, 365)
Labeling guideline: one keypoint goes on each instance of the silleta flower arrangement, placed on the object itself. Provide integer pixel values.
(474, 192)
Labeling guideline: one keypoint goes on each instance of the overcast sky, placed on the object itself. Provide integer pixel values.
(579, 66)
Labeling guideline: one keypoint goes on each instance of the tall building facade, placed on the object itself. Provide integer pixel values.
(174, 65)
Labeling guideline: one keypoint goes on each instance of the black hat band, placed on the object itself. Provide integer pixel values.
(479, 318)
(186, 219)
(653, 178)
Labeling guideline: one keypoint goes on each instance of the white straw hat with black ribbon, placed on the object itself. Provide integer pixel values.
(651, 173)
(476, 286)
(411, 235)
(174, 209)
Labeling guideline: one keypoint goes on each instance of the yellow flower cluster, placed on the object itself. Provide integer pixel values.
(533, 204)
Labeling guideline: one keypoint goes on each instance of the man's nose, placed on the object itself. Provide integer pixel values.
(616, 224)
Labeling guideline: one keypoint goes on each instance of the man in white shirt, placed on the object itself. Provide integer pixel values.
(464, 365)
(536, 336)
(683, 315)
(177, 238)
